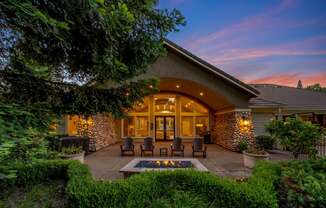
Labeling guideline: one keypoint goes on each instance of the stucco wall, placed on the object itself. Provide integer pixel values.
(175, 66)
(228, 130)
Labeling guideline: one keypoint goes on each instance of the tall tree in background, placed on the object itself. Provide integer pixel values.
(62, 52)
(299, 85)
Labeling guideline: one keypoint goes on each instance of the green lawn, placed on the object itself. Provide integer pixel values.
(49, 194)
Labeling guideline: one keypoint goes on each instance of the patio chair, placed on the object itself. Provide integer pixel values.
(127, 146)
(148, 146)
(198, 147)
(177, 147)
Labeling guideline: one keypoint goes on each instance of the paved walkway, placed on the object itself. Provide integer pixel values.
(106, 163)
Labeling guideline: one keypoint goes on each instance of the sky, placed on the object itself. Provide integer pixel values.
(257, 41)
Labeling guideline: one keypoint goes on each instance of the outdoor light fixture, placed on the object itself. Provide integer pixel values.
(244, 124)
(177, 86)
(150, 86)
(201, 94)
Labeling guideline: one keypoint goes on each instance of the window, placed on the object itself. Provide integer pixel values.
(187, 126)
(194, 118)
(137, 123)
(72, 125)
(165, 104)
(191, 106)
(201, 125)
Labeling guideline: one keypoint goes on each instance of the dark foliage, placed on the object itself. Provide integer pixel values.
(264, 142)
(78, 56)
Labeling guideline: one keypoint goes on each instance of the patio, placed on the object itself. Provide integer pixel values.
(106, 163)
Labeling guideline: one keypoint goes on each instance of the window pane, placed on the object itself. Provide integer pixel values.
(187, 126)
(164, 103)
(191, 106)
(129, 127)
(141, 106)
(141, 129)
(136, 126)
(72, 125)
(201, 125)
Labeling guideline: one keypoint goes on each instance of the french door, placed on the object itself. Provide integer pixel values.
(164, 128)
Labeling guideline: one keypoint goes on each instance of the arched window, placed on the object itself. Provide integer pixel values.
(165, 116)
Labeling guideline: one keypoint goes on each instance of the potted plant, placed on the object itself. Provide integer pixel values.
(73, 153)
(252, 155)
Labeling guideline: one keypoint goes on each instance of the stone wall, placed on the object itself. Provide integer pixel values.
(229, 129)
(100, 129)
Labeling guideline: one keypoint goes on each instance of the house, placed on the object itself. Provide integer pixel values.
(195, 98)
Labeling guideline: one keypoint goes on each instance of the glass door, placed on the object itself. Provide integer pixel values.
(164, 128)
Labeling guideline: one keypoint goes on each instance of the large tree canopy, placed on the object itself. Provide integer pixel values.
(61, 51)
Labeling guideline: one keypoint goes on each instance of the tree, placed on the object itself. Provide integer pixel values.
(81, 56)
(299, 85)
(316, 87)
(296, 135)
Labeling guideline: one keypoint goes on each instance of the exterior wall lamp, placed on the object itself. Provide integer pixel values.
(244, 124)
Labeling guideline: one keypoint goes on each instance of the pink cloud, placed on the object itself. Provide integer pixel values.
(298, 48)
(261, 20)
(291, 79)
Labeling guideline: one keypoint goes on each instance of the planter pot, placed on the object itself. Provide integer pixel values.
(79, 157)
(250, 159)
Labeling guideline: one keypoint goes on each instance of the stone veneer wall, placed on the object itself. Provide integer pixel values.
(101, 131)
(228, 132)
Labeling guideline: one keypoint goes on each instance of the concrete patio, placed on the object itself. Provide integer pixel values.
(106, 163)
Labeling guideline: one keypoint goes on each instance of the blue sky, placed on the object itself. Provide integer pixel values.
(257, 41)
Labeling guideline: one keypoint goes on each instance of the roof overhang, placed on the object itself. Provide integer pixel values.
(214, 70)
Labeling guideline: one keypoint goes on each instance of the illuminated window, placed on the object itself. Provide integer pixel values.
(201, 125)
(165, 103)
(191, 106)
(72, 125)
(187, 126)
(141, 106)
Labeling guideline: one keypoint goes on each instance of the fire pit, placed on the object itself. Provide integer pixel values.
(158, 164)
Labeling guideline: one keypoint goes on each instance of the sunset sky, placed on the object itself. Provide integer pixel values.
(257, 41)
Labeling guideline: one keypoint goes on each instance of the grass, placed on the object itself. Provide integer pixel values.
(47, 195)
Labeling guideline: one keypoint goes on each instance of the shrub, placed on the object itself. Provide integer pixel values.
(303, 184)
(296, 135)
(154, 189)
(264, 142)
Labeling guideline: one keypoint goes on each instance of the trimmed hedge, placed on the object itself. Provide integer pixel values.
(151, 189)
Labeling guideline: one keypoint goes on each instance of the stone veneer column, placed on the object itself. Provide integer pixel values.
(101, 129)
(228, 131)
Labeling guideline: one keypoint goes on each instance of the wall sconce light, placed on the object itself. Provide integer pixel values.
(244, 124)
(201, 94)
(177, 86)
